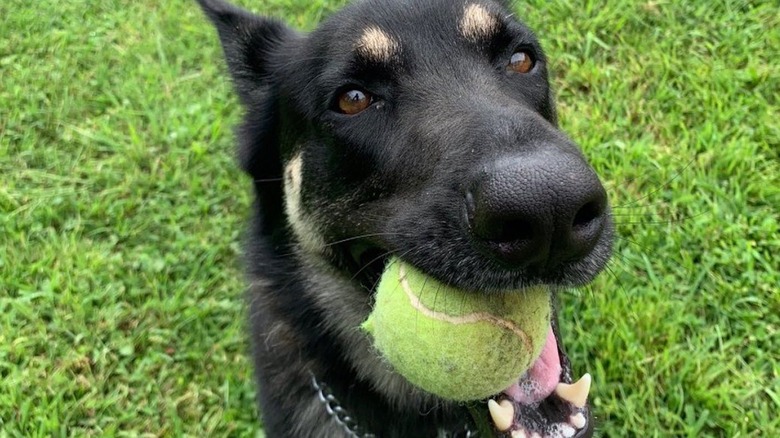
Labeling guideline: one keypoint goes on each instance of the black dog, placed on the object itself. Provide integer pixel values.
(423, 129)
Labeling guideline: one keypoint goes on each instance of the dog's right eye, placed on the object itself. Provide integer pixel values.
(354, 101)
(521, 62)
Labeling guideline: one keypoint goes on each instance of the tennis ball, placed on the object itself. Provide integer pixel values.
(456, 344)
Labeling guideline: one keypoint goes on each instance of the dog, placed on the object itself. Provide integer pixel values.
(419, 129)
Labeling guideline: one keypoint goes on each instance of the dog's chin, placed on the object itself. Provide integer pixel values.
(546, 401)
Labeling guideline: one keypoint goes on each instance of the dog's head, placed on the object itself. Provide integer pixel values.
(424, 129)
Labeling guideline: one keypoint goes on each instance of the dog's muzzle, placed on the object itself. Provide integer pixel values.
(536, 211)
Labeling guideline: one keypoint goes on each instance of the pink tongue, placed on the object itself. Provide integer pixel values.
(541, 379)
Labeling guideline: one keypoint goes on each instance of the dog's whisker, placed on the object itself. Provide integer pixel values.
(392, 262)
(637, 207)
(661, 222)
(632, 242)
(664, 185)
(370, 262)
(268, 180)
(363, 236)
(631, 214)
(297, 61)
(647, 220)
(611, 272)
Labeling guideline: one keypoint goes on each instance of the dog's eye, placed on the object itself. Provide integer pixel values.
(521, 62)
(354, 101)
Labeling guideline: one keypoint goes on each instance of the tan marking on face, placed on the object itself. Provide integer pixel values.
(376, 44)
(478, 22)
(303, 228)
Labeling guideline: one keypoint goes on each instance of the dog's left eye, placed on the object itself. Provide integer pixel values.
(354, 101)
(521, 62)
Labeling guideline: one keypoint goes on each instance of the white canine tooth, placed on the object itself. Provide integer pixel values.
(519, 433)
(536, 435)
(566, 430)
(576, 393)
(503, 414)
(578, 420)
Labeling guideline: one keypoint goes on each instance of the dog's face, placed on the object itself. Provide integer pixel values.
(423, 129)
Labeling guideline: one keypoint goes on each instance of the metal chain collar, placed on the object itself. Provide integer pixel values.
(339, 414)
(349, 424)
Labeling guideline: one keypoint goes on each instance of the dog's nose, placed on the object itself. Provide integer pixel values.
(536, 212)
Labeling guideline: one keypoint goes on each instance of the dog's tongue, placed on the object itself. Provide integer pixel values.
(541, 379)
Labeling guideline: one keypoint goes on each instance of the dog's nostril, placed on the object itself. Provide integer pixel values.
(513, 230)
(587, 214)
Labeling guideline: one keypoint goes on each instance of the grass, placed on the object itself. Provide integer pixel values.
(121, 308)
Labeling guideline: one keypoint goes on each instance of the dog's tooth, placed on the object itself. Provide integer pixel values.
(576, 393)
(520, 433)
(566, 430)
(578, 420)
(503, 414)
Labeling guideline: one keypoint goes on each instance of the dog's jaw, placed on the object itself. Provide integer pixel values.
(544, 388)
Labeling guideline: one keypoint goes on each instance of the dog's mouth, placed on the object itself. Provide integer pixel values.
(545, 402)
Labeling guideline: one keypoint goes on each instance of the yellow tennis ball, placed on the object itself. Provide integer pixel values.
(456, 344)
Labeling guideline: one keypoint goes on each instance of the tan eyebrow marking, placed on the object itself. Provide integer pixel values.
(478, 22)
(376, 44)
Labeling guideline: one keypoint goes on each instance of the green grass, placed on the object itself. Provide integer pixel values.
(121, 210)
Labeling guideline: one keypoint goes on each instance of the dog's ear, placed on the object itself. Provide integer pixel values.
(253, 46)
(249, 42)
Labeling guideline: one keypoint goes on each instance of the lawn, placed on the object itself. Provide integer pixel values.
(121, 213)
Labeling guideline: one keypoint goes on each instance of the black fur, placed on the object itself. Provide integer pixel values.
(398, 178)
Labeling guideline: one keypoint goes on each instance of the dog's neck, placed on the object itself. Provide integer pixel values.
(352, 427)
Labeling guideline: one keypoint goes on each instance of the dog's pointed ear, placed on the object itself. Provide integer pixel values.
(248, 41)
